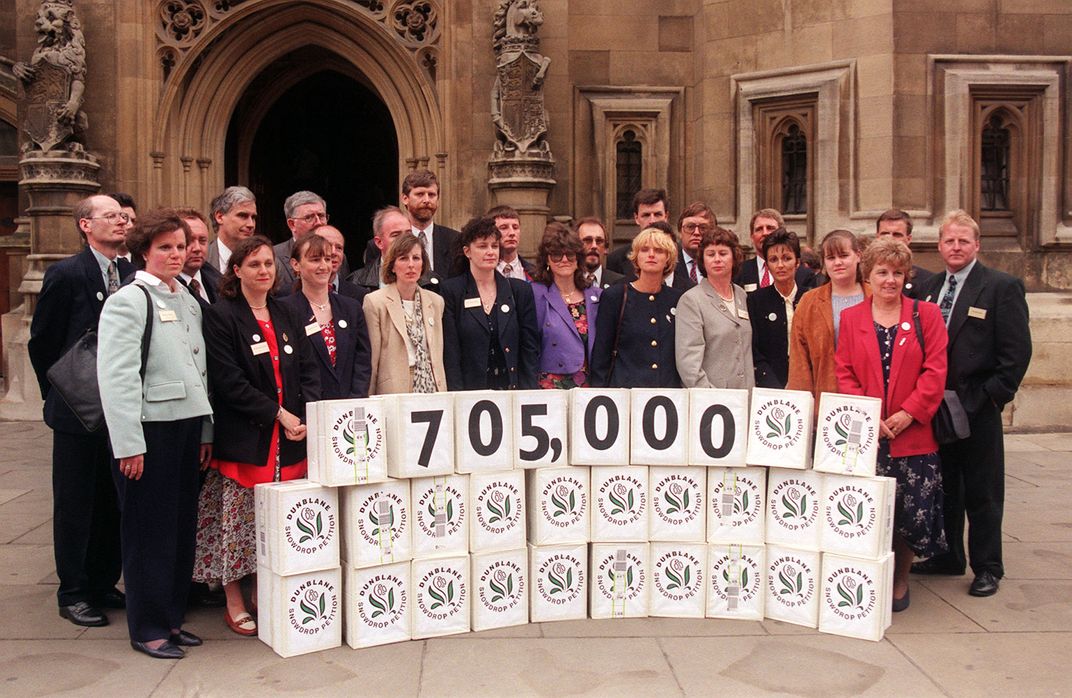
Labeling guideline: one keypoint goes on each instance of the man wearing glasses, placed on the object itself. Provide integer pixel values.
(305, 211)
(594, 238)
(85, 520)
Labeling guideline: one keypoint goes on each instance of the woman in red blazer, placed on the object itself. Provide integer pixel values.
(880, 356)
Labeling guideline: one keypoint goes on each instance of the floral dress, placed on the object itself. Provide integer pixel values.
(918, 515)
(565, 381)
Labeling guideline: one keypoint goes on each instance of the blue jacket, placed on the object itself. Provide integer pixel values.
(561, 348)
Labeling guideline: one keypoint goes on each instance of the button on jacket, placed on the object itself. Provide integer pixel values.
(561, 350)
(645, 338)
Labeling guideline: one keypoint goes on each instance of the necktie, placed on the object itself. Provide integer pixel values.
(423, 237)
(692, 271)
(195, 288)
(946, 306)
(508, 269)
(765, 281)
(590, 278)
(113, 277)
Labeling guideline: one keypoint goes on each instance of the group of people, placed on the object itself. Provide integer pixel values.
(209, 352)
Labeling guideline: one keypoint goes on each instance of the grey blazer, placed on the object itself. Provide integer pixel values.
(212, 256)
(176, 383)
(713, 348)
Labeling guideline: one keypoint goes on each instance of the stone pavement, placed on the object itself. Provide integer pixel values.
(947, 643)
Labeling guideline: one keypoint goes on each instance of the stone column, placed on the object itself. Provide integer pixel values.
(525, 185)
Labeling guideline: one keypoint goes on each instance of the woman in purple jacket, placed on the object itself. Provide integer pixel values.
(565, 309)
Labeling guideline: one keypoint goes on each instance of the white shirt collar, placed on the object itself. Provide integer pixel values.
(225, 254)
(146, 277)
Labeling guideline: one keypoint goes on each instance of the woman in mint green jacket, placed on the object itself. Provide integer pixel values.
(160, 426)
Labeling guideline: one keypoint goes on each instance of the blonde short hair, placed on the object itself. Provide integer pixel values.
(660, 241)
(958, 217)
(887, 251)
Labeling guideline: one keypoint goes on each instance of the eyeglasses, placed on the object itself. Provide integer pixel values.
(594, 241)
(313, 218)
(561, 257)
(112, 217)
(692, 227)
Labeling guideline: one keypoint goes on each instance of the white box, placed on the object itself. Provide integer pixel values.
(659, 426)
(420, 434)
(735, 511)
(718, 427)
(497, 511)
(378, 605)
(780, 428)
(736, 581)
(793, 581)
(599, 426)
(377, 524)
(678, 504)
(541, 428)
(558, 575)
(500, 589)
(558, 505)
(846, 441)
(620, 504)
(483, 431)
(620, 579)
(795, 508)
(346, 442)
(856, 596)
(858, 516)
(300, 613)
(297, 526)
(440, 516)
(441, 597)
(678, 580)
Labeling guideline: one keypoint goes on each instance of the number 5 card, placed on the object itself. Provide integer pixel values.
(540, 425)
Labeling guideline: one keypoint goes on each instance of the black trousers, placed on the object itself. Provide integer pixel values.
(159, 523)
(85, 517)
(973, 481)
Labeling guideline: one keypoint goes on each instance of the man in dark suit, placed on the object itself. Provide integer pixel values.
(85, 523)
(897, 224)
(649, 206)
(420, 198)
(989, 351)
(202, 279)
(754, 273)
(594, 238)
(511, 264)
(387, 224)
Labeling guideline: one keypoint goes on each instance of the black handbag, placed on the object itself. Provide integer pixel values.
(74, 375)
(950, 421)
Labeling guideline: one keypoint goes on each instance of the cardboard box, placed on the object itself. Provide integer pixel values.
(440, 516)
(736, 581)
(718, 427)
(599, 426)
(559, 578)
(620, 504)
(346, 442)
(420, 434)
(541, 428)
(794, 578)
(483, 431)
(300, 613)
(500, 589)
(678, 580)
(846, 441)
(858, 516)
(735, 505)
(297, 526)
(659, 426)
(856, 596)
(378, 605)
(377, 524)
(558, 505)
(497, 511)
(441, 597)
(678, 504)
(780, 428)
(620, 579)
(795, 508)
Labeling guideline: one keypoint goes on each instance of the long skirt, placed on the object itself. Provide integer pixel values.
(226, 531)
(918, 517)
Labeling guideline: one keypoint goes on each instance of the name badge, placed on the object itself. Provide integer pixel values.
(742, 313)
(168, 316)
(748, 288)
(312, 328)
(259, 348)
(472, 303)
(978, 313)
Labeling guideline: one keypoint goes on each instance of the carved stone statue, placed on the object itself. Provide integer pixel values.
(517, 99)
(55, 81)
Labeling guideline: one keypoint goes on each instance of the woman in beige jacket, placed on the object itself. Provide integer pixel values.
(405, 325)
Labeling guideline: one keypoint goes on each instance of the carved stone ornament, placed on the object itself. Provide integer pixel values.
(517, 107)
(54, 81)
(182, 20)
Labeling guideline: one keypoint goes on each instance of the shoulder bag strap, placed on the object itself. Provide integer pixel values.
(147, 335)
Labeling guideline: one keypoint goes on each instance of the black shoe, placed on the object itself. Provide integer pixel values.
(202, 595)
(164, 651)
(902, 603)
(112, 599)
(937, 565)
(185, 639)
(82, 613)
(984, 584)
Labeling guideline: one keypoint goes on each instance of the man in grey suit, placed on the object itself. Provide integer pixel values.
(304, 210)
(594, 238)
(234, 217)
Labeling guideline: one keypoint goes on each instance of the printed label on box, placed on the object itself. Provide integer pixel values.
(313, 607)
(382, 523)
(792, 580)
(560, 579)
(794, 502)
(847, 439)
(678, 580)
(620, 576)
(498, 511)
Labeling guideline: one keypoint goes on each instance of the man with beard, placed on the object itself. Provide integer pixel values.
(594, 238)
(420, 198)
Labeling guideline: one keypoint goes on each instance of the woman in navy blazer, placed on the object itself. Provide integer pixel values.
(334, 324)
(565, 310)
(490, 340)
(879, 355)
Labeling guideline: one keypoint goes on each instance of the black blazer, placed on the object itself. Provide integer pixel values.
(72, 295)
(350, 375)
(915, 282)
(351, 290)
(645, 349)
(770, 336)
(444, 242)
(988, 356)
(610, 277)
(465, 333)
(245, 401)
(748, 277)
